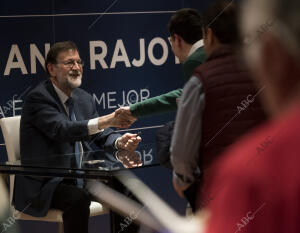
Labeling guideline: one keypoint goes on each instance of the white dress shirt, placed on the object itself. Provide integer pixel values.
(196, 46)
(92, 124)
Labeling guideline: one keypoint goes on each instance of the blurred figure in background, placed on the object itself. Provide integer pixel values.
(186, 43)
(257, 185)
(217, 106)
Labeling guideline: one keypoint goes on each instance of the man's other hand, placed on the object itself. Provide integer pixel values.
(128, 142)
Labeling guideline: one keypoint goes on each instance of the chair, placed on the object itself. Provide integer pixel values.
(10, 128)
(4, 200)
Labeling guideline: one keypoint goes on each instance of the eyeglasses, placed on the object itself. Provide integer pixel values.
(71, 63)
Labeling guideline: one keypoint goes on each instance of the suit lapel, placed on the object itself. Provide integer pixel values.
(51, 90)
(75, 96)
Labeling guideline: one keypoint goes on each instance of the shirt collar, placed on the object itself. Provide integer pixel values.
(61, 95)
(196, 46)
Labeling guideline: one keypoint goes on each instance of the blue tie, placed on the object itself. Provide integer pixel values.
(70, 105)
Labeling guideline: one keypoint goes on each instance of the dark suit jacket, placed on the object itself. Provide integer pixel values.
(46, 131)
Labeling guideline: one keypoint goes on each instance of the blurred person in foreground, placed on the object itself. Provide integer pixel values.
(257, 185)
(217, 106)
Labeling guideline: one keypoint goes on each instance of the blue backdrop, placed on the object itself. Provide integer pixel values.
(127, 59)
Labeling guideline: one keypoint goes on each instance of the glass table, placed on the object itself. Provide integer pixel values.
(98, 165)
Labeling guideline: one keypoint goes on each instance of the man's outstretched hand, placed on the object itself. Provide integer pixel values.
(124, 115)
(115, 119)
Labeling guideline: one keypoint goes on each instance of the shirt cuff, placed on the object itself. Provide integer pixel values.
(116, 144)
(93, 126)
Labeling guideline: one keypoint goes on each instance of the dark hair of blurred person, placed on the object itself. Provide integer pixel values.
(221, 19)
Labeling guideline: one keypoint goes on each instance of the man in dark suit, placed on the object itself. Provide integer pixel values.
(58, 118)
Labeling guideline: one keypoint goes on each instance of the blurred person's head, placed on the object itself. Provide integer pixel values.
(185, 30)
(272, 49)
(64, 65)
(220, 26)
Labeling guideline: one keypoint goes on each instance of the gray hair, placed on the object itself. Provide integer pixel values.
(279, 17)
